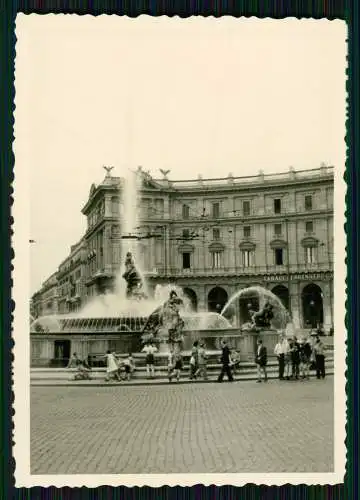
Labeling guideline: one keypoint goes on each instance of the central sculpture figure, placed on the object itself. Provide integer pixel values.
(166, 323)
(134, 289)
(263, 317)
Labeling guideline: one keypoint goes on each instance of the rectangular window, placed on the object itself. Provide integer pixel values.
(278, 229)
(277, 206)
(216, 260)
(216, 210)
(310, 255)
(216, 234)
(247, 258)
(246, 207)
(247, 231)
(308, 202)
(309, 226)
(186, 260)
(186, 234)
(279, 257)
(186, 211)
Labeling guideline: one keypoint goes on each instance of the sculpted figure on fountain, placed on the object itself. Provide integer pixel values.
(134, 289)
(260, 319)
(263, 317)
(165, 323)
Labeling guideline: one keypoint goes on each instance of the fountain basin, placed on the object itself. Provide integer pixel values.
(55, 348)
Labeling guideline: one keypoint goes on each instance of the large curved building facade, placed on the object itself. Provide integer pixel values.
(213, 237)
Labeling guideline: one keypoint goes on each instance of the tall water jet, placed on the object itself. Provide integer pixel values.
(129, 225)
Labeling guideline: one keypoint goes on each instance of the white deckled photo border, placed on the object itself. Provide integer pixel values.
(21, 365)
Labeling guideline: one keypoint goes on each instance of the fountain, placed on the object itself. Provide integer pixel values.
(127, 318)
(261, 315)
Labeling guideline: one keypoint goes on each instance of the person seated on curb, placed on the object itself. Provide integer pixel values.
(83, 371)
(74, 361)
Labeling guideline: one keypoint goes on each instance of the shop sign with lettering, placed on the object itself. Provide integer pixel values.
(298, 276)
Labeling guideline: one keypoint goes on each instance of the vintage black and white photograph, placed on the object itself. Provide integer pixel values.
(179, 271)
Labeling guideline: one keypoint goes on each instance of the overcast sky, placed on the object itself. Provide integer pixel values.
(196, 96)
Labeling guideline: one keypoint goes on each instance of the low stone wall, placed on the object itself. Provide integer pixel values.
(55, 349)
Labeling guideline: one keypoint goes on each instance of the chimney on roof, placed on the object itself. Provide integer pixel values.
(200, 179)
(230, 178)
(261, 175)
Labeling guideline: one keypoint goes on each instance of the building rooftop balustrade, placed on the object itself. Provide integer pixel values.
(262, 178)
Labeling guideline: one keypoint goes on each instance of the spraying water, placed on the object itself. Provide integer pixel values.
(281, 315)
(115, 304)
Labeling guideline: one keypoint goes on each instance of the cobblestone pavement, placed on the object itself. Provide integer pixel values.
(238, 427)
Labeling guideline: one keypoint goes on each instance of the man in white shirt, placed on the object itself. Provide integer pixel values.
(279, 352)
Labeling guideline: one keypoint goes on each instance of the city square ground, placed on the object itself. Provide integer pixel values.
(189, 428)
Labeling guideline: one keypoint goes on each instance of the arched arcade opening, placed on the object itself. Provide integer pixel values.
(312, 306)
(282, 292)
(217, 299)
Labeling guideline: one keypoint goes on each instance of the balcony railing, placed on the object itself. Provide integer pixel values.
(238, 270)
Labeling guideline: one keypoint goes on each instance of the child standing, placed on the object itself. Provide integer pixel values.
(202, 371)
(150, 351)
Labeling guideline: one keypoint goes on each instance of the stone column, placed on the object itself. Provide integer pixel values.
(327, 306)
(107, 201)
(202, 298)
(295, 304)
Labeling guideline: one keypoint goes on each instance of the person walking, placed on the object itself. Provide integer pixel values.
(225, 360)
(150, 350)
(261, 360)
(194, 360)
(319, 349)
(280, 354)
(112, 367)
(202, 370)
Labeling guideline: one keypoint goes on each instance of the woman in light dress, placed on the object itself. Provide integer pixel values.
(112, 367)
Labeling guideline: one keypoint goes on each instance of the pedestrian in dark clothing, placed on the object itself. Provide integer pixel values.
(295, 359)
(319, 349)
(261, 360)
(225, 360)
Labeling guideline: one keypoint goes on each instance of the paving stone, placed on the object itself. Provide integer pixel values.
(198, 428)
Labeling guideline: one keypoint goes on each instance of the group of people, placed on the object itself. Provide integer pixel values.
(117, 367)
(230, 360)
(297, 357)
